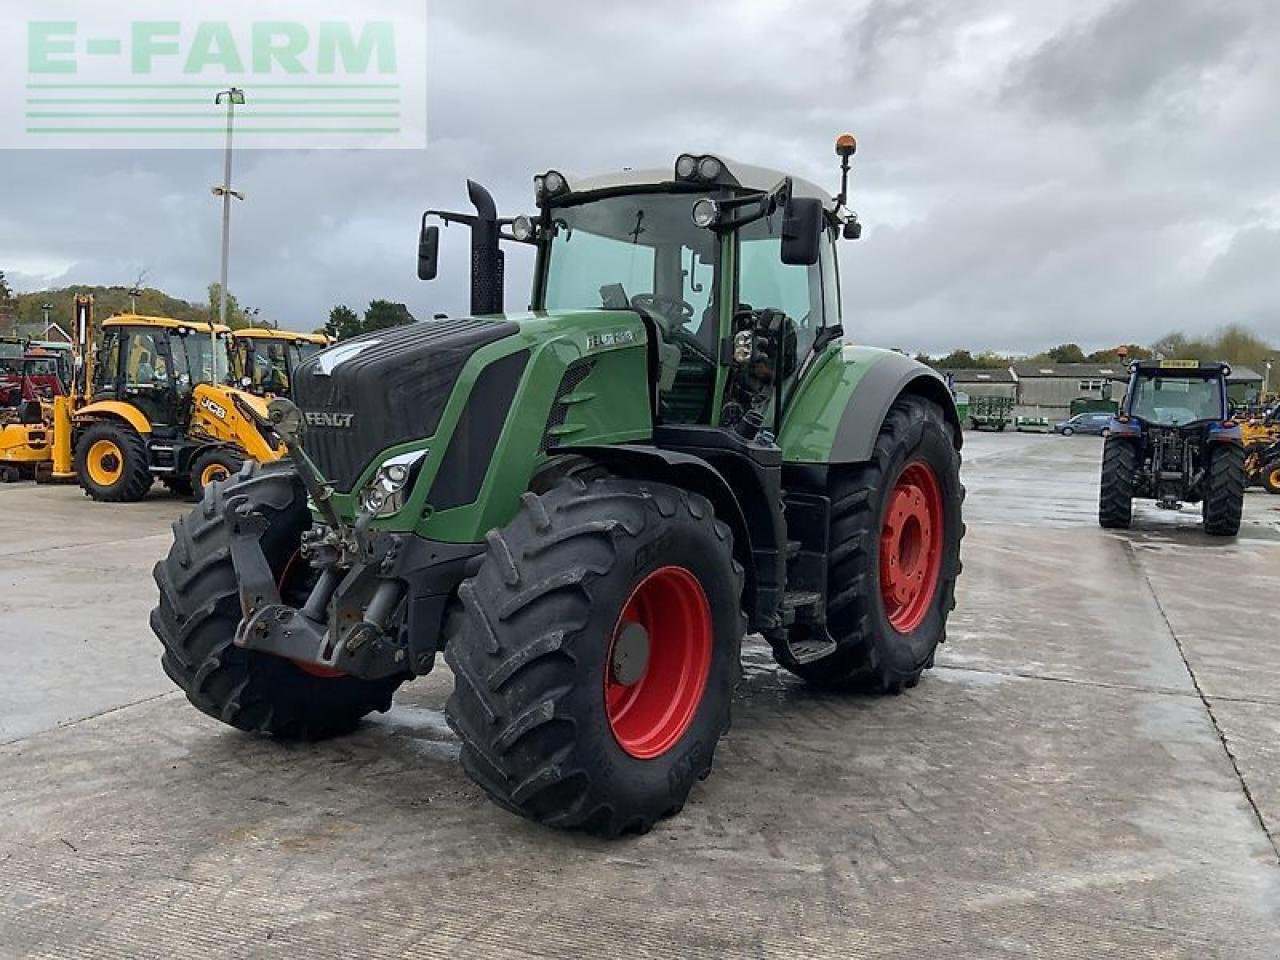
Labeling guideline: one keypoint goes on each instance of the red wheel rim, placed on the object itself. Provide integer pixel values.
(650, 711)
(911, 547)
(286, 580)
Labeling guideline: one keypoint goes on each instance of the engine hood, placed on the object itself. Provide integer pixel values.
(385, 388)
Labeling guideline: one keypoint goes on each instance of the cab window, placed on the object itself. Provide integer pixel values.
(107, 368)
(766, 282)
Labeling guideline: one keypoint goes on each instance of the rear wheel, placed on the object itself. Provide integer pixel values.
(595, 654)
(199, 612)
(213, 466)
(1224, 491)
(1115, 495)
(111, 463)
(895, 537)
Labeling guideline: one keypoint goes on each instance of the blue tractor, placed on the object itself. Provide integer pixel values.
(1173, 441)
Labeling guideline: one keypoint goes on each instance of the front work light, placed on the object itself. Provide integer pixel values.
(686, 167)
(706, 213)
(522, 229)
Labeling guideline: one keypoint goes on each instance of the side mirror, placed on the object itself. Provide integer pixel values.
(428, 252)
(802, 224)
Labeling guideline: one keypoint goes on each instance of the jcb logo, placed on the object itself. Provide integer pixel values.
(216, 409)
(337, 421)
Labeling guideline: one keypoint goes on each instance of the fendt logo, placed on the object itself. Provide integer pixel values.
(154, 73)
(335, 421)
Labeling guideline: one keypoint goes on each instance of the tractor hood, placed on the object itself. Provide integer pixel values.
(373, 392)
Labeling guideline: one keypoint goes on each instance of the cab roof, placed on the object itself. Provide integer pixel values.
(268, 333)
(167, 323)
(748, 176)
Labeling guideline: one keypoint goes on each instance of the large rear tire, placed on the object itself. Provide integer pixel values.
(199, 612)
(595, 654)
(111, 463)
(1224, 491)
(1115, 494)
(896, 527)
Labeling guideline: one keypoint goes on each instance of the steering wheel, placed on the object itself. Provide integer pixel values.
(673, 308)
(677, 312)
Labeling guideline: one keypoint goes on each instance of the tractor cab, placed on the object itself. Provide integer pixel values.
(1177, 393)
(155, 363)
(731, 267)
(264, 360)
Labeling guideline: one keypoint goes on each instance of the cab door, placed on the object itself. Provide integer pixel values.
(148, 374)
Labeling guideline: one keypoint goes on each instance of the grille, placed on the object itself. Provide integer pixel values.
(577, 372)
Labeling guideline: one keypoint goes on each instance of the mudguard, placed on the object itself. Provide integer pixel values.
(114, 409)
(842, 402)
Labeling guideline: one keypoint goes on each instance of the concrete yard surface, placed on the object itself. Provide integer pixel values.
(1092, 770)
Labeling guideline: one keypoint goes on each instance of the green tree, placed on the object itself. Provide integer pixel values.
(956, 360)
(344, 323)
(236, 318)
(383, 314)
(1065, 353)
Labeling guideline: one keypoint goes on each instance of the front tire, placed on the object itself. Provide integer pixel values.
(1224, 491)
(595, 654)
(214, 465)
(1271, 477)
(896, 527)
(199, 612)
(111, 463)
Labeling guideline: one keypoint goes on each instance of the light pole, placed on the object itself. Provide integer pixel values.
(233, 98)
(1266, 379)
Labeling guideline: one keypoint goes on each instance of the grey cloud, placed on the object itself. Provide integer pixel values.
(1029, 172)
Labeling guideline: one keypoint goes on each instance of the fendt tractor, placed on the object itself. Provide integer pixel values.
(586, 506)
(151, 403)
(1174, 441)
(265, 359)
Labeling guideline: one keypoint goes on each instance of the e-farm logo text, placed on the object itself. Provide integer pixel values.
(316, 74)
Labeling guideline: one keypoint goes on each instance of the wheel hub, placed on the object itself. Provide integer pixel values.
(658, 662)
(911, 547)
(630, 655)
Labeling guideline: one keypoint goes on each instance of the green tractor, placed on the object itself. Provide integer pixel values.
(585, 507)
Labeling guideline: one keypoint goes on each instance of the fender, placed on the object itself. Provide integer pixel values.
(114, 409)
(841, 404)
(641, 461)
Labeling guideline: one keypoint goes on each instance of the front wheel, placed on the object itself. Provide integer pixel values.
(1271, 477)
(595, 654)
(896, 528)
(1068, 431)
(199, 612)
(214, 465)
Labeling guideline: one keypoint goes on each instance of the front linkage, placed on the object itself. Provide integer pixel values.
(346, 623)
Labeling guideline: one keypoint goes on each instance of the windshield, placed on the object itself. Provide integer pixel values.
(195, 346)
(1174, 401)
(642, 249)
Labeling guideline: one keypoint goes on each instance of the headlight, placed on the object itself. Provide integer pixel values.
(710, 168)
(522, 228)
(385, 494)
(555, 183)
(686, 166)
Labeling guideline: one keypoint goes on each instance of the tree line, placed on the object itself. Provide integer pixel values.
(1233, 343)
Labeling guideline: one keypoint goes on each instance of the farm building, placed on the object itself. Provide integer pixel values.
(1048, 389)
(983, 383)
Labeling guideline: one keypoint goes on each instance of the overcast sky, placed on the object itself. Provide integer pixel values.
(1029, 171)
